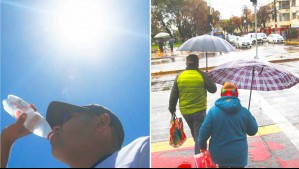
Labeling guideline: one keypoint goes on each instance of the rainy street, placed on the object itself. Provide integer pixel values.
(277, 112)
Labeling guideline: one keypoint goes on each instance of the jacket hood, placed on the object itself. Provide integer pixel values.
(229, 104)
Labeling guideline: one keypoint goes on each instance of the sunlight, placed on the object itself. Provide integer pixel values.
(79, 21)
(84, 25)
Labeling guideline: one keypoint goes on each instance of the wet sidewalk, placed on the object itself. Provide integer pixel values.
(276, 112)
(270, 148)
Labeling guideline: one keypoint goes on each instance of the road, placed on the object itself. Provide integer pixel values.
(277, 113)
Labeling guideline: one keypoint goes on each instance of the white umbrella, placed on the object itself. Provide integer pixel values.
(295, 27)
(162, 35)
(206, 43)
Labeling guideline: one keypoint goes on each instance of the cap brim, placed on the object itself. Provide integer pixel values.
(57, 111)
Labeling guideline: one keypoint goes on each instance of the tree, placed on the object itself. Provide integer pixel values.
(246, 19)
(237, 21)
(161, 19)
(228, 26)
(189, 17)
(264, 15)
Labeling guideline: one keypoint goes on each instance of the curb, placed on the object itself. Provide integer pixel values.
(212, 67)
(291, 43)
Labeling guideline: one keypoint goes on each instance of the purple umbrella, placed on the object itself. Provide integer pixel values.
(254, 75)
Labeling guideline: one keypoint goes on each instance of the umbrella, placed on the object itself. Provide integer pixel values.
(295, 27)
(254, 75)
(206, 43)
(162, 35)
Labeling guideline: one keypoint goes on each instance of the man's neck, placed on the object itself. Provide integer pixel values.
(192, 67)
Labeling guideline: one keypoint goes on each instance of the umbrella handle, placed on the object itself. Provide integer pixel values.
(207, 62)
(253, 68)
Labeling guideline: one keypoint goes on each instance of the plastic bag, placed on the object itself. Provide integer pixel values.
(204, 160)
(177, 134)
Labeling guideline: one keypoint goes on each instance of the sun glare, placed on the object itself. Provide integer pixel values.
(80, 22)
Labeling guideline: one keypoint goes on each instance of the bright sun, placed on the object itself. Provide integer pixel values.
(79, 21)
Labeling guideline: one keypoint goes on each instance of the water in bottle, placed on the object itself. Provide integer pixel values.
(34, 121)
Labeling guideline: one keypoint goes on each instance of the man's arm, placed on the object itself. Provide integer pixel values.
(174, 97)
(9, 135)
(209, 84)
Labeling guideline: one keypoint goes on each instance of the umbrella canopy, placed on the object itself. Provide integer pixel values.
(254, 75)
(162, 35)
(295, 27)
(206, 43)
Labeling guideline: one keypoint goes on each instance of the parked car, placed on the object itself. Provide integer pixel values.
(243, 42)
(232, 39)
(263, 36)
(252, 38)
(275, 38)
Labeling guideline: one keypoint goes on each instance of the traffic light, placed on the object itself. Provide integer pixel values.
(253, 1)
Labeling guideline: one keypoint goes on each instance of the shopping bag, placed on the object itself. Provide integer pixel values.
(177, 134)
(204, 160)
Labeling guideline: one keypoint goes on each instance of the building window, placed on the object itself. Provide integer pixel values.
(294, 15)
(284, 17)
(293, 2)
(284, 5)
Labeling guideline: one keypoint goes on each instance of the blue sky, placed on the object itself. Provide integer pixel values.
(81, 53)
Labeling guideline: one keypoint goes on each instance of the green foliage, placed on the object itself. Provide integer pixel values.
(183, 19)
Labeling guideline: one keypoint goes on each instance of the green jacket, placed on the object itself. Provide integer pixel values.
(190, 87)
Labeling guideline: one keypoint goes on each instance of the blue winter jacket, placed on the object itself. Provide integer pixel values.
(227, 124)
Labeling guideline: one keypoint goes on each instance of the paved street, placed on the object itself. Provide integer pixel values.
(277, 112)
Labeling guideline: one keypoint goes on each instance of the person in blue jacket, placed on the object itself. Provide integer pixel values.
(227, 123)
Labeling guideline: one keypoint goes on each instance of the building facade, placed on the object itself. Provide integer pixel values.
(287, 16)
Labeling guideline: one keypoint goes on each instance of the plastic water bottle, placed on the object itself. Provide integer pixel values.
(34, 121)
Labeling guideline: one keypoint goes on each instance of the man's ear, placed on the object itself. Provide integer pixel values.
(103, 121)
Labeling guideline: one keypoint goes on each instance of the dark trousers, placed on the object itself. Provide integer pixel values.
(194, 122)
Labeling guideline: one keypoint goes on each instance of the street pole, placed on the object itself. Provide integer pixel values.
(255, 21)
(275, 16)
(211, 18)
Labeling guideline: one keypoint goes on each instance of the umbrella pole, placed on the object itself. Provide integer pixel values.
(207, 62)
(251, 86)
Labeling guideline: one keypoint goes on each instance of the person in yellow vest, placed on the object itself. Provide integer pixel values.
(190, 88)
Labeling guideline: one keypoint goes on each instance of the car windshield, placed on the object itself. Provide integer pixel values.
(243, 39)
(258, 35)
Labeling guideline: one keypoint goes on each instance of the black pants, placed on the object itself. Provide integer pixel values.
(194, 122)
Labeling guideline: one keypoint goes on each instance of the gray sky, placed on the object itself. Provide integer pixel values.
(228, 8)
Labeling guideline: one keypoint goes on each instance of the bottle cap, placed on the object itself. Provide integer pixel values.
(50, 135)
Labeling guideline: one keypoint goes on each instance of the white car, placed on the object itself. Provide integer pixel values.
(252, 38)
(232, 39)
(275, 38)
(243, 42)
(263, 35)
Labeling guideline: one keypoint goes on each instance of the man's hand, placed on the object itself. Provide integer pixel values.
(16, 130)
(10, 134)
(202, 150)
